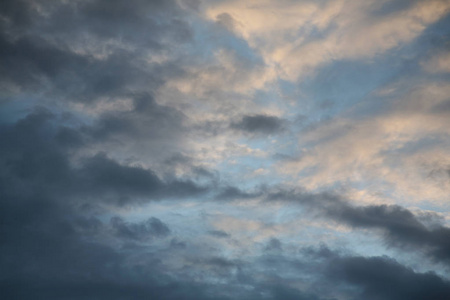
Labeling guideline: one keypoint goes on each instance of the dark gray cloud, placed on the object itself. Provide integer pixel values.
(106, 290)
(36, 155)
(283, 292)
(56, 44)
(55, 248)
(53, 244)
(27, 61)
(259, 124)
(384, 278)
(177, 244)
(226, 20)
(58, 251)
(379, 277)
(101, 175)
(146, 119)
(152, 227)
(400, 226)
(233, 193)
(342, 275)
(274, 245)
(220, 265)
(219, 233)
(31, 62)
(17, 13)
(44, 254)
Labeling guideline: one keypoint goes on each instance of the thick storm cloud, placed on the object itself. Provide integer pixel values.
(192, 149)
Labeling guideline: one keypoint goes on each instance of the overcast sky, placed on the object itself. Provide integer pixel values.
(225, 149)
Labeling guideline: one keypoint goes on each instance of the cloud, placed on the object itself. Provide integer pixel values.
(274, 245)
(438, 63)
(374, 274)
(152, 227)
(400, 226)
(259, 124)
(299, 37)
(219, 233)
(133, 162)
(379, 143)
(233, 193)
(81, 51)
(37, 155)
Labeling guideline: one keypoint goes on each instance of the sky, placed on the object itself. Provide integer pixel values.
(225, 149)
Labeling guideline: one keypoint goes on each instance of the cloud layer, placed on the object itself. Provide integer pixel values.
(193, 149)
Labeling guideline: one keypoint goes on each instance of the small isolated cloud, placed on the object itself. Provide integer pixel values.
(234, 193)
(219, 233)
(259, 124)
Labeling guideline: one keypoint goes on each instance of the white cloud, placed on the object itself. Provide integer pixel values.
(393, 151)
(297, 37)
